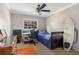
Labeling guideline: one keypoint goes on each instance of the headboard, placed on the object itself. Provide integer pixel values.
(56, 35)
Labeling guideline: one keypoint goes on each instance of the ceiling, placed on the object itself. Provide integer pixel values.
(30, 8)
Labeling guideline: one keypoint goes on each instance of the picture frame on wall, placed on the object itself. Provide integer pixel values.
(30, 24)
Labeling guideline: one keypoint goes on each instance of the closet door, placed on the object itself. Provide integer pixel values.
(68, 34)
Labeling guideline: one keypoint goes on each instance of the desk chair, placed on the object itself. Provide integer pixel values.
(33, 37)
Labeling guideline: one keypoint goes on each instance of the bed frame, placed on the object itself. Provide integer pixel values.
(56, 39)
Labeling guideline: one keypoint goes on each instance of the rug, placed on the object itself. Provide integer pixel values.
(27, 51)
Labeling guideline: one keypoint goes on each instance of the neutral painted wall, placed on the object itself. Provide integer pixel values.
(5, 21)
(56, 22)
(17, 21)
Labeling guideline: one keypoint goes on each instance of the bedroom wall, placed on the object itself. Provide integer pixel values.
(5, 21)
(18, 21)
(56, 21)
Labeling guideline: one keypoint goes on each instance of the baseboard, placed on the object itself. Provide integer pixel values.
(75, 49)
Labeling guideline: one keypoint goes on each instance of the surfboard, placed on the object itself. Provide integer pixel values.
(68, 35)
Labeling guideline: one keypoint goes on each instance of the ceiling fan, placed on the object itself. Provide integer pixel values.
(40, 8)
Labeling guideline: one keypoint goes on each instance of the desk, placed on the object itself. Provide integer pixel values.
(25, 36)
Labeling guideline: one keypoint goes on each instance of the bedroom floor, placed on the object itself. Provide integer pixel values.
(42, 50)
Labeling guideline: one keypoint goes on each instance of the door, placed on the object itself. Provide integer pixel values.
(68, 34)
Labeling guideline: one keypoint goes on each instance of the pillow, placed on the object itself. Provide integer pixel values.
(1, 37)
(47, 36)
(4, 33)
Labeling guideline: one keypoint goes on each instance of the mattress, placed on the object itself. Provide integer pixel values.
(45, 35)
(45, 38)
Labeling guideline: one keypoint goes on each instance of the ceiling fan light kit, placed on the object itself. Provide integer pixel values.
(40, 8)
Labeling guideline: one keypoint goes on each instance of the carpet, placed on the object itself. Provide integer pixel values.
(27, 51)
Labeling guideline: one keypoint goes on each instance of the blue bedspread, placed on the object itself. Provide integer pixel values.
(45, 38)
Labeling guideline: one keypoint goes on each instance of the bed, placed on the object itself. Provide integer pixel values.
(51, 40)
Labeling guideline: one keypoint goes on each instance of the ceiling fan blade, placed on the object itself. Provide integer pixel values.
(43, 5)
(45, 10)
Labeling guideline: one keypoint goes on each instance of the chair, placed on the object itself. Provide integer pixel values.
(33, 37)
(4, 49)
(14, 44)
